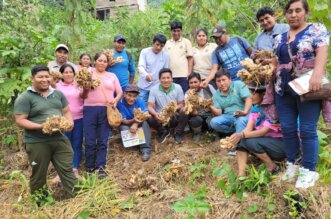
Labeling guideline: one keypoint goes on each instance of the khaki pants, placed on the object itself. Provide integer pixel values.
(60, 153)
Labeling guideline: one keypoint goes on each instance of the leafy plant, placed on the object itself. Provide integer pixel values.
(193, 205)
(295, 202)
(198, 170)
(42, 197)
(324, 162)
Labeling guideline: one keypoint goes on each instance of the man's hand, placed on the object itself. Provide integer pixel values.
(134, 128)
(204, 84)
(137, 121)
(239, 113)
(112, 62)
(158, 117)
(149, 78)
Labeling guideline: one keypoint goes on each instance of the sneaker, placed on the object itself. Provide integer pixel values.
(102, 173)
(178, 138)
(291, 172)
(196, 137)
(306, 178)
(90, 170)
(145, 156)
(232, 152)
(163, 136)
(75, 170)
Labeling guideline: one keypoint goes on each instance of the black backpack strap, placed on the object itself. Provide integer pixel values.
(218, 55)
(129, 56)
(240, 41)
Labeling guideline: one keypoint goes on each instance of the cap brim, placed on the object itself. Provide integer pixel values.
(217, 35)
(61, 47)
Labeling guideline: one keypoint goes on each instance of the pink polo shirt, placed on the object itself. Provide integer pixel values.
(72, 93)
(110, 85)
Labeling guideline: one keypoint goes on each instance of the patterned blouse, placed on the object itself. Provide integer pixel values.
(303, 48)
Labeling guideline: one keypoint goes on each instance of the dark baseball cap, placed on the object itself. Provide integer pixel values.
(119, 37)
(218, 31)
(132, 88)
(257, 87)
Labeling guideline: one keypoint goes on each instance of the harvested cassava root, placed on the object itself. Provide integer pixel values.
(140, 115)
(110, 54)
(84, 79)
(225, 143)
(56, 124)
(168, 112)
(56, 76)
(193, 102)
(261, 55)
(255, 73)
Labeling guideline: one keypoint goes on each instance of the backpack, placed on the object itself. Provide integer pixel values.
(129, 56)
(239, 40)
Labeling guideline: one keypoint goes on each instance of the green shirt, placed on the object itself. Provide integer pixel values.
(234, 100)
(38, 108)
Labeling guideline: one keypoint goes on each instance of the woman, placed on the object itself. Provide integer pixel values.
(261, 137)
(75, 97)
(202, 54)
(96, 127)
(308, 46)
(85, 60)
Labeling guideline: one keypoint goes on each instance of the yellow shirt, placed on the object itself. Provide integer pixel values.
(178, 52)
(202, 59)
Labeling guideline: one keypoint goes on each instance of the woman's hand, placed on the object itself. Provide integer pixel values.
(236, 137)
(315, 82)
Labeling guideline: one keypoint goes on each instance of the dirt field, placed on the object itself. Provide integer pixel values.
(149, 189)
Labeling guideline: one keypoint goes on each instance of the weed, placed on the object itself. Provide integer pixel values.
(18, 175)
(198, 170)
(295, 202)
(193, 205)
(42, 197)
(324, 162)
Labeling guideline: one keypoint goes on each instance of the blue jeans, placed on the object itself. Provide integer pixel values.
(228, 123)
(289, 107)
(143, 94)
(96, 130)
(182, 82)
(76, 140)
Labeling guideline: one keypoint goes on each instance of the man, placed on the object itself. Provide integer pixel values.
(267, 20)
(129, 102)
(199, 119)
(159, 98)
(228, 55)
(151, 61)
(61, 58)
(124, 70)
(31, 110)
(180, 54)
(232, 103)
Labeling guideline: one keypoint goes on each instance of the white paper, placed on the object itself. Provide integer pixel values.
(301, 84)
(132, 139)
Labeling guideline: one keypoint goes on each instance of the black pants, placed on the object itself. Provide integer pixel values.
(199, 121)
(178, 122)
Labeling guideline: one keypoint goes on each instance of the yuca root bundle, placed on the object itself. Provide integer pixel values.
(206, 102)
(191, 102)
(56, 76)
(225, 143)
(140, 115)
(84, 79)
(56, 124)
(261, 55)
(110, 54)
(255, 73)
(168, 112)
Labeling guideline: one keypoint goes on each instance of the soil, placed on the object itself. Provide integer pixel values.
(155, 185)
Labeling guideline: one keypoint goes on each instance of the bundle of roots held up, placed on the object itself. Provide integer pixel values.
(193, 102)
(56, 124)
(110, 54)
(255, 73)
(168, 112)
(261, 55)
(84, 79)
(225, 143)
(56, 76)
(140, 115)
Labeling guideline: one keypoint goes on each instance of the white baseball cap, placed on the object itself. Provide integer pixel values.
(61, 46)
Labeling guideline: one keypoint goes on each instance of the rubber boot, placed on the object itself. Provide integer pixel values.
(196, 134)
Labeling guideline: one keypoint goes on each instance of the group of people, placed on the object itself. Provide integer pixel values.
(268, 121)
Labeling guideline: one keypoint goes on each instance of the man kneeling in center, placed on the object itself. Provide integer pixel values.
(129, 102)
(232, 103)
(159, 97)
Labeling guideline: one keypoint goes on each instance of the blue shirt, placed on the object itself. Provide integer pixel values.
(231, 55)
(234, 100)
(127, 110)
(265, 40)
(123, 70)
